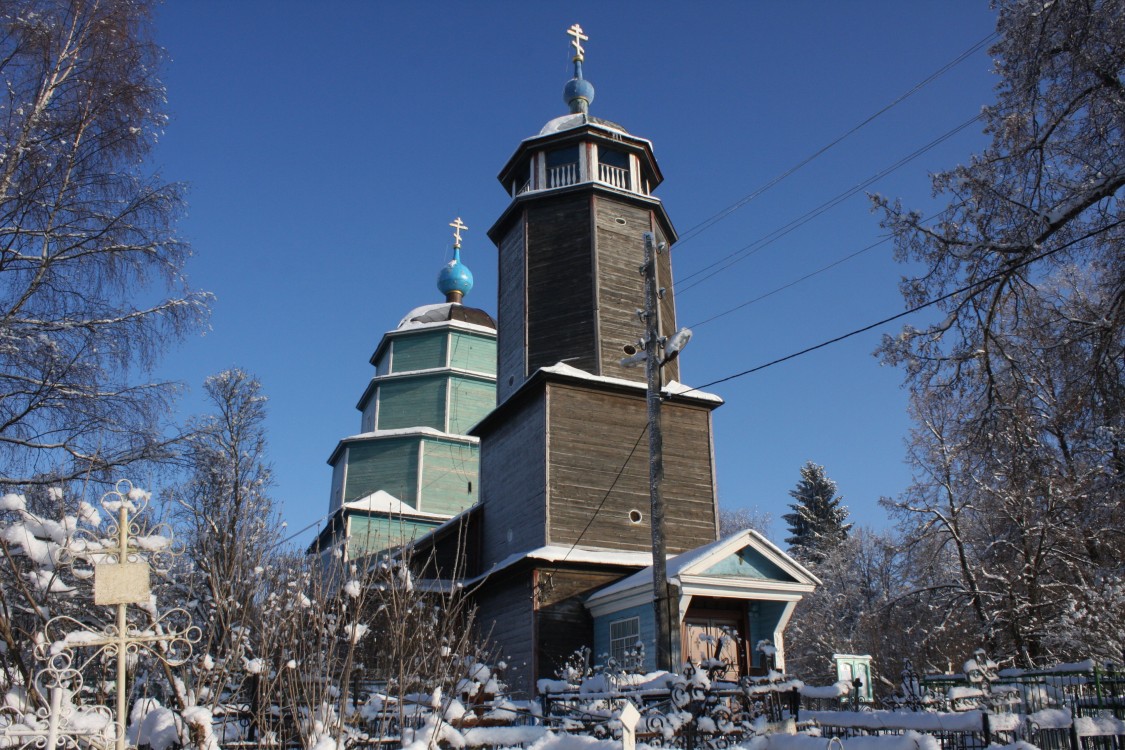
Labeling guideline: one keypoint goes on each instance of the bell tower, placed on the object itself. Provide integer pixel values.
(565, 502)
(571, 245)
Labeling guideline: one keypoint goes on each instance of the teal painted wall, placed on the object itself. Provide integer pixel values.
(388, 464)
(647, 636)
(377, 533)
(423, 350)
(413, 402)
(762, 625)
(469, 401)
(471, 351)
(749, 563)
(450, 476)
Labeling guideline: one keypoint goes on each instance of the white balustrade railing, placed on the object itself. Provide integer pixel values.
(562, 175)
(616, 176)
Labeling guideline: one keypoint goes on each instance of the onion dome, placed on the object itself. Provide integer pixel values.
(455, 279)
(578, 92)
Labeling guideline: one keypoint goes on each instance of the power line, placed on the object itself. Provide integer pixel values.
(708, 223)
(768, 239)
(983, 284)
(793, 283)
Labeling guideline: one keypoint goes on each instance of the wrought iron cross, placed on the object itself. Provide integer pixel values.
(576, 32)
(457, 227)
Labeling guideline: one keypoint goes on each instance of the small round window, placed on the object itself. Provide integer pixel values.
(635, 516)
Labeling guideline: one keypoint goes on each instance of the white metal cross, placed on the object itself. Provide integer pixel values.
(576, 32)
(457, 227)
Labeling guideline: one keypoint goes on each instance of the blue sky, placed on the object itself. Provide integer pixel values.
(328, 145)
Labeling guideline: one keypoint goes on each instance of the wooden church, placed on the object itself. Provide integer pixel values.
(560, 542)
(558, 547)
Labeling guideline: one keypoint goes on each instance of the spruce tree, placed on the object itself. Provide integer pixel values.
(817, 521)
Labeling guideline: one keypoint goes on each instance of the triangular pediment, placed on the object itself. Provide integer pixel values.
(748, 562)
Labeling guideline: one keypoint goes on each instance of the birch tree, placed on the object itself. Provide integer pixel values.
(1019, 392)
(91, 272)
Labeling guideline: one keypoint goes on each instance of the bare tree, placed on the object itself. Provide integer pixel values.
(231, 530)
(91, 284)
(1019, 393)
(734, 520)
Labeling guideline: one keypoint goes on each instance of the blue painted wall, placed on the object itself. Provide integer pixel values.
(647, 634)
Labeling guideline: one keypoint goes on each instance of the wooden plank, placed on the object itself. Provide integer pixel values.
(560, 285)
(511, 330)
(513, 469)
(594, 483)
(563, 624)
(506, 619)
(620, 283)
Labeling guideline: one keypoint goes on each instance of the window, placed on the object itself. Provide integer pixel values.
(623, 637)
(613, 168)
(562, 167)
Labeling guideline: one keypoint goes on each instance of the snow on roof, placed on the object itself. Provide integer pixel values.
(381, 501)
(560, 554)
(673, 388)
(685, 562)
(401, 431)
(440, 314)
(568, 122)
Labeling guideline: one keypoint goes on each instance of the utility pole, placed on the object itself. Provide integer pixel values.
(653, 363)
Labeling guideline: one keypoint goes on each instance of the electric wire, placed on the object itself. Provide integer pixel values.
(711, 221)
(982, 284)
(768, 239)
(617, 477)
(794, 282)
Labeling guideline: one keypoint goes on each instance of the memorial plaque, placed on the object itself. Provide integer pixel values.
(121, 583)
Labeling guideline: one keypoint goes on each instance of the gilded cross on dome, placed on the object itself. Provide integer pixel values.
(457, 227)
(576, 32)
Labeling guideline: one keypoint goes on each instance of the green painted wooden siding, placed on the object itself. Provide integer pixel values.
(377, 533)
(424, 350)
(470, 351)
(450, 476)
(388, 464)
(469, 401)
(417, 402)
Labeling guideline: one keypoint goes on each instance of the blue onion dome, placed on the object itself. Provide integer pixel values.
(455, 279)
(578, 92)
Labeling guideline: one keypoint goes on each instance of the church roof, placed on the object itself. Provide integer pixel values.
(444, 312)
(743, 565)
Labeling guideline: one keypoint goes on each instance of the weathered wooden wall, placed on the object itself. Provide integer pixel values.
(563, 623)
(560, 283)
(511, 333)
(621, 291)
(513, 475)
(591, 434)
(506, 617)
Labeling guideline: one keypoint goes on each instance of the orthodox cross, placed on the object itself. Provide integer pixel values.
(457, 227)
(576, 32)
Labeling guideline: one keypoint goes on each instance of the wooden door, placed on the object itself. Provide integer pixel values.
(707, 638)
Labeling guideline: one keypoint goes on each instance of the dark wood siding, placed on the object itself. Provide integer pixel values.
(621, 290)
(513, 479)
(590, 435)
(560, 296)
(510, 311)
(563, 623)
(507, 619)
